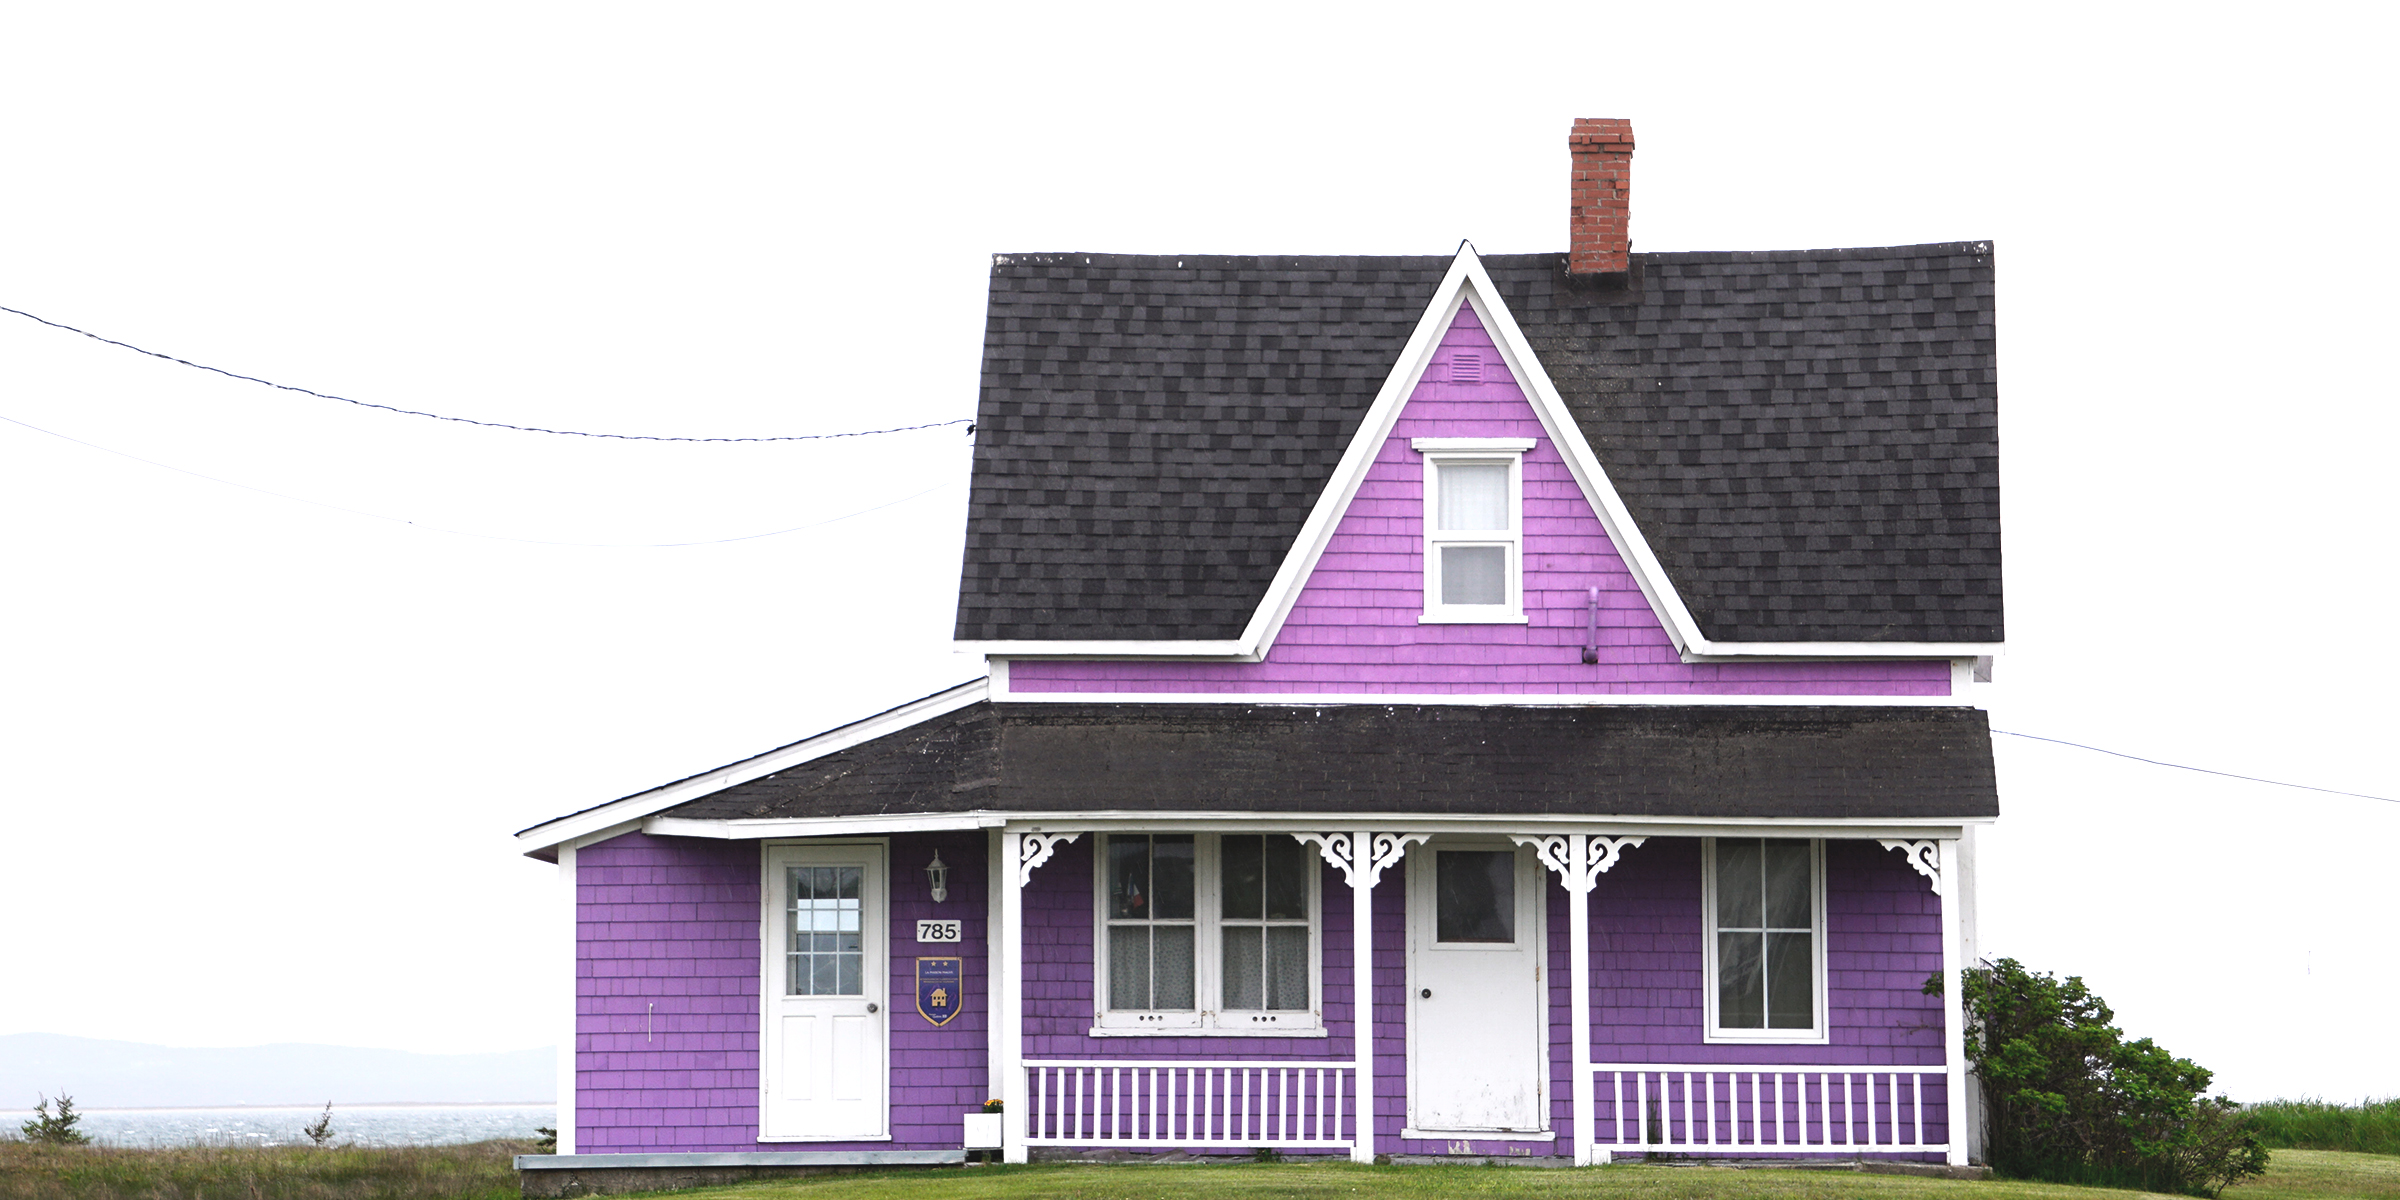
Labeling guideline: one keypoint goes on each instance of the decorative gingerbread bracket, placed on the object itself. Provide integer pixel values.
(1557, 852)
(1036, 849)
(1925, 856)
(1335, 847)
(1339, 849)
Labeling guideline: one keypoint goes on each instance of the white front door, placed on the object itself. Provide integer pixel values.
(821, 1058)
(1478, 1033)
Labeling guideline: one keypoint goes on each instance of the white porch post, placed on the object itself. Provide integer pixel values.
(1954, 1033)
(1362, 991)
(1579, 967)
(1579, 860)
(1008, 991)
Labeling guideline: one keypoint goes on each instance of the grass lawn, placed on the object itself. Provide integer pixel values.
(481, 1171)
(2296, 1174)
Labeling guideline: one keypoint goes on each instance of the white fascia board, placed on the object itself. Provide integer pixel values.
(635, 807)
(753, 829)
(1835, 651)
(1222, 651)
(1398, 822)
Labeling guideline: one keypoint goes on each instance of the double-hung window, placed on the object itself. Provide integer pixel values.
(1766, 943)
(1474, 529)
(1207, 933)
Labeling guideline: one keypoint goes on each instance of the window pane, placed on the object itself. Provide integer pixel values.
(1171, 966)
(1791, 992)
(1473, 495)
(1738, 901)
(1244, 968)
(1788, 891)
(851, 983)
(1740, 996)
(1475, 896)
(1128, 966)
(825, 975)
(1243, 886)
(1287, 868)
(1474, 574)
(1171, 869)
(1129, 876)
(795, 979)
(1287, 967)
(846, 878)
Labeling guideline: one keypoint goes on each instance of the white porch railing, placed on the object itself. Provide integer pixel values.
(1104, 1102)
(1665, 1108)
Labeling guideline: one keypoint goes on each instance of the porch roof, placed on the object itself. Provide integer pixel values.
(1713, 761)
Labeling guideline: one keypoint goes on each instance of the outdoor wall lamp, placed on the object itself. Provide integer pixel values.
(937, 874)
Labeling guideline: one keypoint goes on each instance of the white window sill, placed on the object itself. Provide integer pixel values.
(1802, 1037)
(1196, 1031)
(858, 1137)
(1477, 1135)
(1468, 618)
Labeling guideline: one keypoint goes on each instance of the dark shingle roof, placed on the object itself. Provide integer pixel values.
(1808, 439)
(1731, 761)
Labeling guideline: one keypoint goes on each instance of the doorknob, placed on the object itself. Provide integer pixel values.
(1425, 994)
(871, 1006)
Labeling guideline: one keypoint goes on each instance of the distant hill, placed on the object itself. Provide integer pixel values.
(106, 1074)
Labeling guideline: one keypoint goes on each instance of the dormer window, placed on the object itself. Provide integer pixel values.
(1474, 522)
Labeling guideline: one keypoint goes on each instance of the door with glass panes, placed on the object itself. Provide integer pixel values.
(822, 1060)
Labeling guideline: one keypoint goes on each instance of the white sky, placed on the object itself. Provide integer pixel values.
(261, 758)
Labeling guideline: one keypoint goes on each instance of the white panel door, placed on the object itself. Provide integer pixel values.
(822, 1063)
(1478, 1034)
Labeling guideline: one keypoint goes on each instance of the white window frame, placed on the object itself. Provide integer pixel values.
(1819, 1033)
(1441, 452)
(1208, 945)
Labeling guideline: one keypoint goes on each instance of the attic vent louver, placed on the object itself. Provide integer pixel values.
(1466, 367)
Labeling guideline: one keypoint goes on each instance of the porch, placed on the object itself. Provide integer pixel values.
(1312, 1090)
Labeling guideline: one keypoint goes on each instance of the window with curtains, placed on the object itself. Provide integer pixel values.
(1474, 543)
(1766, 945)
(1206, 932)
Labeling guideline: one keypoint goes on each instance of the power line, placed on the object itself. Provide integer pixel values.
(489, 537)
(623, 437)
(2203, 770)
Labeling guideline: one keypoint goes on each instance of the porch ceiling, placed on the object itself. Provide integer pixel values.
(1703, 762)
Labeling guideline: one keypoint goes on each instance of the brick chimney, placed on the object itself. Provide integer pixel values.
(1598, 200)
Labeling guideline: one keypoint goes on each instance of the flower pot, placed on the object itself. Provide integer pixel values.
(983, 1131)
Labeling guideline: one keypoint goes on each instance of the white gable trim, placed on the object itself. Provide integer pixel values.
(636, 807)
(1467, 283)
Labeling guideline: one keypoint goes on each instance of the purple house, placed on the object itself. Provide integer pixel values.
(1473, 706)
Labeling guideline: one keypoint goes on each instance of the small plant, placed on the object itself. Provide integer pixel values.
(1266, 1154)
(991, 1106)
(320, 1131)
(549, 1142)
(59, 1129)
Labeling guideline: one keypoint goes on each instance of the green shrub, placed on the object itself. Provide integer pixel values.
(2067, 1098)
(56, 1130)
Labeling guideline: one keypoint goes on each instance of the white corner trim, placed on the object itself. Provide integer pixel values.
(635, 807)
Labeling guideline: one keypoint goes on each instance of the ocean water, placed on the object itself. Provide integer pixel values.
(385, 1125)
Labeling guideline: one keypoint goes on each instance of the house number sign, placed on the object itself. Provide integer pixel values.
(937, 931)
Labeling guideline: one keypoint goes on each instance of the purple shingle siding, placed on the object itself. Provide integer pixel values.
(674, 922)
(1354, 628)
